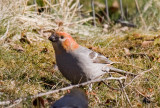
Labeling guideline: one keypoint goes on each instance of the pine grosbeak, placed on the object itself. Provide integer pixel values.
(75, 99)
(77, 63)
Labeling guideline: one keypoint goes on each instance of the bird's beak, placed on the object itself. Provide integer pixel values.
(53, 38)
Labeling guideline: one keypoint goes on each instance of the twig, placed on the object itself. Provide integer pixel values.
(93, 12)
(73, 12)
(140, 93)
(147, 97)
(117, 89)
(17, 101)
(121, 7)
(48, 3)
(83, 20)
(140, 74)
(147, 6)
(107, 11)
(123, 90)
(140, 13)
(123, 87)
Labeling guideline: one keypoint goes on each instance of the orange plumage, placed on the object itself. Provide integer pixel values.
(69, 43)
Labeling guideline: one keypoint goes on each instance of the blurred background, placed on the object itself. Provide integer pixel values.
(136, 12)
(50, 14)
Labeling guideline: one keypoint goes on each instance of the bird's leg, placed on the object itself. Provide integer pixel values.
(107, 70)
(90, 91)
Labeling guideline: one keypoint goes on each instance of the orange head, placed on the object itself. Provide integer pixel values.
(63, 40)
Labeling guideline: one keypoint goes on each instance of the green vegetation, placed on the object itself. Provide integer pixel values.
(27, 58)
(31, 71)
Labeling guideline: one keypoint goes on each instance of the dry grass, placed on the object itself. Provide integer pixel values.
(18, 19)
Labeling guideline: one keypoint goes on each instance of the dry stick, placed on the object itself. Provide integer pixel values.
(142, 94)
(121, 7)
(49, 4)
(74, 10)
(123, 87)
(83, 20)
(138, 76)
(16, 103)
(93, 12)
(107, 12)
(123, 90)
(117, 89)
(58, 90)
(140, 13)
(128, 83)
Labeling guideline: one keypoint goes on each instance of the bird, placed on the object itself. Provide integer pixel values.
(75, 99)
(79, 64)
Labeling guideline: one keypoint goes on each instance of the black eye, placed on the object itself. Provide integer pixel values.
(62, 37)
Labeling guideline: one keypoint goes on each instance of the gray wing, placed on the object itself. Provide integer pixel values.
(98, 58)
(94, 56)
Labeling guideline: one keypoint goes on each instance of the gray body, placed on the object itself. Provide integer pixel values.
(73, 67)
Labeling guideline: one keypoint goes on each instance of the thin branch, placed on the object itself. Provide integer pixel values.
(117, 89)
(140, 93)
(140, 74)
(147, 97)
(93, 12)
(107, 11)
(124, 91)
(122, 13)
(138, 9)
(17, 101)
(48, 3)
